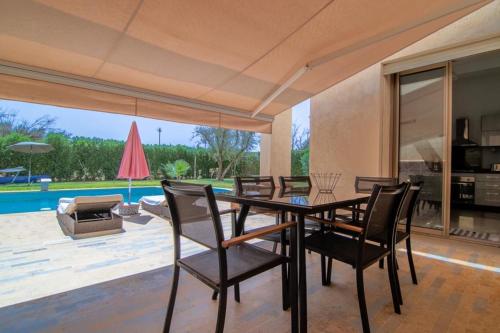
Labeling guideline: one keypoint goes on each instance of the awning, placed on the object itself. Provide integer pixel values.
(233, 64)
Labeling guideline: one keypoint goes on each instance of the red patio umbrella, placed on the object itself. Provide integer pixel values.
(133, 165)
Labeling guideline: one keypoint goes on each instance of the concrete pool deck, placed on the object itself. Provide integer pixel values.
(38, 260)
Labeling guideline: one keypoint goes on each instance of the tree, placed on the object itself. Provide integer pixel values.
(300, 138)
(226, 146)
(177, 170)
(36, 129)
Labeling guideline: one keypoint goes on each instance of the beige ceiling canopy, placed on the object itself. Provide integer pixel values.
(227, 63)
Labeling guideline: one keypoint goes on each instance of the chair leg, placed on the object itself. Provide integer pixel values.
(381, 261)
(284, 287)
(171, 302)
(284, 274)
(237, 292)
(410, 261)
(275, 247)
(221, 315)
(329, 272)
(214, 295)
(392, 282)
(361, 299)
(324, 277)
(398, 287)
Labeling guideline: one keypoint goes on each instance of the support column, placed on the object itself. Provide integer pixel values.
(276, 148)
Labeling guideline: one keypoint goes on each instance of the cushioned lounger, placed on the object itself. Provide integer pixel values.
(156, 204)
(85, 215)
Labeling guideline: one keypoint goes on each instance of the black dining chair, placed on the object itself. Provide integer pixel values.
(297, 186)
(365, 185)
(406, 215)
(225, 263)
(295, 183)
(408, 208)
(260, 186)
(381, 217)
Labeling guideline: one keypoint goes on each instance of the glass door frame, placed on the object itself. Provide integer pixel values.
(447, 140)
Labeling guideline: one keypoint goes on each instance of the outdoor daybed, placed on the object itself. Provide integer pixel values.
(156, 204)
(85, 215)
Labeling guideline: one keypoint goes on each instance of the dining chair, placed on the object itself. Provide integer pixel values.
(260, 186)
(408, 208)
(222, 212)
(296, 186)
(295, 182)
(230, 211)
(364, 184)
(225, 263)
(406, 215)
(381, 216)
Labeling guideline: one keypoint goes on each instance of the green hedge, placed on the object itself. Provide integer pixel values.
(300, 162)
(80, 158)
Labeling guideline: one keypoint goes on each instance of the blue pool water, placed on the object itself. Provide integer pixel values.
(21, 202)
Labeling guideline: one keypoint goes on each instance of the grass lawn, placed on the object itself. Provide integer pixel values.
(226, 183)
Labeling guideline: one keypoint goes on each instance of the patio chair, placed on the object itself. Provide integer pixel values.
(364, 185)
(226, 262)
(87, 215)
(292, 186)
(294, 183)
(381, 217)
(157, 204)
(409, 206)
(407, 210)
(259, 186)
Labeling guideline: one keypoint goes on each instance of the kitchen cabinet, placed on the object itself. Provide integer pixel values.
(490, 130)
(487, 190)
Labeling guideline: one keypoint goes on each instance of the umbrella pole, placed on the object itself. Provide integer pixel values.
(29, 171)
(129, 190)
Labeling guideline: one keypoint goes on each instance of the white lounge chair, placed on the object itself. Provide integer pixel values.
(86, 215)
(156, 204)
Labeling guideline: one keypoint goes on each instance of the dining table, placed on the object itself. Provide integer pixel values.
(300, 203)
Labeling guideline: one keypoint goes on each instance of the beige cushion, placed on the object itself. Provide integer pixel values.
(70, 205)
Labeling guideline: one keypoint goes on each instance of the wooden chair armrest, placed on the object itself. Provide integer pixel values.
(347, 226)
(227, 211)
(339, 224)
(258, 233)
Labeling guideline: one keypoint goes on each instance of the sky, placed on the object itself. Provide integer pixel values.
(113, 126)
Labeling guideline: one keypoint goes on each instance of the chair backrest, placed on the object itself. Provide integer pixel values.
(409, 204)
(194, 213)
(383, 211)
(365, 184)
(263, 185)
(295, 182)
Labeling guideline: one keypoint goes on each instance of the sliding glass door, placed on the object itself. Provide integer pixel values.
(422, 140)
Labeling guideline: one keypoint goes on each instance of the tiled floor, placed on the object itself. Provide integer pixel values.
(477, 224)
(458, 291)
(37, 259)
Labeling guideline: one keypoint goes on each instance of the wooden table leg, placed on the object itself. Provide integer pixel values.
(301, 252)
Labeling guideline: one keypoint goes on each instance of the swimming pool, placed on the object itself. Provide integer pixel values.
(35, 201)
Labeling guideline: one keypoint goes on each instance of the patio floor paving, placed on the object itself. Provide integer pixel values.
(120, 283)
(37, 259)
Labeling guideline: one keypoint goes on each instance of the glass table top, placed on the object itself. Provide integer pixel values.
(298, 197)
